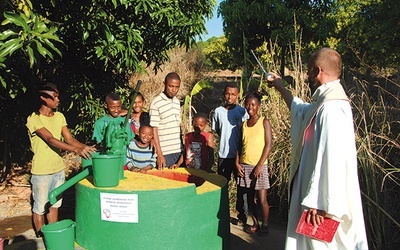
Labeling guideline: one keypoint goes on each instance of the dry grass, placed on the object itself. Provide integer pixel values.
(187, 64)
(376, 112)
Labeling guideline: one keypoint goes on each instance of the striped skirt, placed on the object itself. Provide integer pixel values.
(249, 181)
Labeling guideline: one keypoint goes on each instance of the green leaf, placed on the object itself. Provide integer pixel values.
(48, 35)
(51, 45)
(199, 86)
(42, 50)
(110, 37)
(3, 83)
(85, 35)
(10, 46)
(17, 20)
(39, 26)
(29, 4)
(114, 3)
(31, 55)
(186, 106)
(12, 93)
(5, 22)
(5, 34)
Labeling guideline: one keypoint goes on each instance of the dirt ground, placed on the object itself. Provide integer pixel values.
(16, 224)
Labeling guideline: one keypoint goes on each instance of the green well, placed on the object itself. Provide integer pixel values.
(167, 209)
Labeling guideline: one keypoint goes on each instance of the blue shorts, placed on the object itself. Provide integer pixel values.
(42, 185)
(171, 159)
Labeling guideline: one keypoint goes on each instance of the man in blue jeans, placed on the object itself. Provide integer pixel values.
(226, 121)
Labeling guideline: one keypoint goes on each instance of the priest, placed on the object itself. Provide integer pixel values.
(323, 171)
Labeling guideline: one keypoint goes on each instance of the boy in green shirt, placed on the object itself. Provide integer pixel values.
(113, 106)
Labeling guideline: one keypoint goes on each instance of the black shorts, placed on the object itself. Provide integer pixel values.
(226, 166)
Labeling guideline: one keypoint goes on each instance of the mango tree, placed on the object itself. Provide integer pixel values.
(88, 48)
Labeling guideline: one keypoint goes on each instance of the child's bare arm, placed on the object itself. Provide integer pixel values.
(239, 167)
(178, 163)
(123, 112)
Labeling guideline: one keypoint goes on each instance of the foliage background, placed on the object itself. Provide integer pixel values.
(90, 48)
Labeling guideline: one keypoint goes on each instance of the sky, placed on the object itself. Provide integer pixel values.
(214, 25)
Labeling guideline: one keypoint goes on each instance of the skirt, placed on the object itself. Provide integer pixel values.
(249, 181)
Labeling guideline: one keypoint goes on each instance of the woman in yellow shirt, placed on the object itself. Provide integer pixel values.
(251, 162)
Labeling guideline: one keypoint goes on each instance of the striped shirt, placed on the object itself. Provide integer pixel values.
(139, 157)
(165, 114)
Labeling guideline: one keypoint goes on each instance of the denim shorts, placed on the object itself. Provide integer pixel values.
(42, 185)
(171, 159)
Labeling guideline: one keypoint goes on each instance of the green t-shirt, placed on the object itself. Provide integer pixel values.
(101, 124)
(46, 158)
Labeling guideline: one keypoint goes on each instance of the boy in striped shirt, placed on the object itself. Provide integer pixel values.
(140, 155)
(165, 118)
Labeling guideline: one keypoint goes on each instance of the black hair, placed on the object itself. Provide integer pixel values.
(254, 94)
(43, 90)
(145, 125)
(200, 114)
(231, 85)
(172, 75)
(112, 96)
(49, 87)
(138, 94)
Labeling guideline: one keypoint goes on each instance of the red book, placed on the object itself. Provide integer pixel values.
(325, 231)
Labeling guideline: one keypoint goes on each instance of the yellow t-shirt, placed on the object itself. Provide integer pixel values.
(46, 159)
(252, 142)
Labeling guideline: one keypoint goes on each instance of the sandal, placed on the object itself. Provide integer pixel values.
(250, 229)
